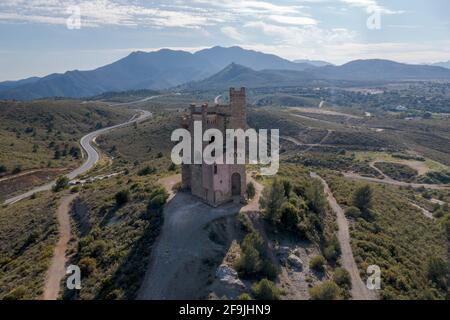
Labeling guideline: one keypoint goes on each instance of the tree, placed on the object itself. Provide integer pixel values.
(61, 183)
(314, 195)
(251, 191)
(289, 216)
(272, 199)
(327, 290)
(122, 197)
(362, 198)
(317, 263)
(266, 290)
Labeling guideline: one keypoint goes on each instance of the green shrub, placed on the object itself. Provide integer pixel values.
(244, 296)
(362, 198)
(61, 183)
(122, 197)
(352, 212)
(146, 171)
(317, 263)
(3, 168)
(87, 265)
(16, 170)
(265, 290)
(158, 198)
(289, 216)
(332, 251)
(342, 278)
(172, 167)
(327, 290)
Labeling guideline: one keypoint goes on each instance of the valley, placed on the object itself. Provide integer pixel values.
(135, 234)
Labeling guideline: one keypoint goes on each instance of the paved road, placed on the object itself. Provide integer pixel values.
(92, 155)
(359, 289)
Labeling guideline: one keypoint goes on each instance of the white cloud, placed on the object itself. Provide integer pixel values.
(232, 33)
(293, 20)
(371, 6)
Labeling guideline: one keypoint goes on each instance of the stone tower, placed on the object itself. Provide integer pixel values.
(217, 183)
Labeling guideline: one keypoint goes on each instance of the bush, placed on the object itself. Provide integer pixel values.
(253, 260)
(437, 270)
(317, 263)
(16, 170)
(172, 167)
(352, 212)
(333, 250)
(244, 296)
(61, 183)
(250, 190)
(289, 216)
(122, 197)
(265, 290)
(342, 278)
(158, 198)
(362, 198)
(87, 265)
(3, 169)
(327, 290)
(146, 171)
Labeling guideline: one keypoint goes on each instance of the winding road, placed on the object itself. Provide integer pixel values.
(91, 159)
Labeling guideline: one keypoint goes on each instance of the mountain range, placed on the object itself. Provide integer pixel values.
(208, 68)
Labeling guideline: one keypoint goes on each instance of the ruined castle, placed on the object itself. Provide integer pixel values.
(216, 184)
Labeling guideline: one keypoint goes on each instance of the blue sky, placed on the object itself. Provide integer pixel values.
(35, 39)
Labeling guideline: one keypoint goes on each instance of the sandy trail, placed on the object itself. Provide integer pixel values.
(57, 269)
(355, 176)
(359, 289)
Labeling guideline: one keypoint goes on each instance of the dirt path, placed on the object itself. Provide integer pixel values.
(425, 212)
(355, 176)
(359, 290)
(57, 269)
(25, 173)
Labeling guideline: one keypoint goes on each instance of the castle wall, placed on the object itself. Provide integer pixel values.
(213, 183)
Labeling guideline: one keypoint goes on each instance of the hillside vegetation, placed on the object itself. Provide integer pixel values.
(28, 232)
(398, 238)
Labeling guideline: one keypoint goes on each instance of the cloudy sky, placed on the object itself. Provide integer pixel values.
(38, 37)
